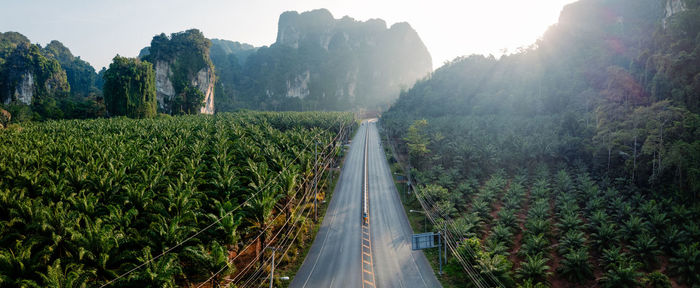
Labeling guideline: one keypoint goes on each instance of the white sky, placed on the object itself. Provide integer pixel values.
(97, 30)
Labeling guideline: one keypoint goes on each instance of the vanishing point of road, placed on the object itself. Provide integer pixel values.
(339, 254)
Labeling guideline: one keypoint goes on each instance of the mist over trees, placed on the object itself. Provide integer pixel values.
(322, 63)
(585, 91)
(591, 137)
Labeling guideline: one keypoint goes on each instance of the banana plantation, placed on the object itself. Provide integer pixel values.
(165, 202)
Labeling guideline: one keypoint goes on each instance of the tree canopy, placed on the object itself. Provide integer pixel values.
(130, 88)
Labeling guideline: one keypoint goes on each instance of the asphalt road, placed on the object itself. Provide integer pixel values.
(335, 258)
(395, 264)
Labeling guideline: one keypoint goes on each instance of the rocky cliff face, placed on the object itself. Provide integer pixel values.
(165, 91)
(182, 62)
(319, 62)
(205, 83)
(366, 63)
(673, 7)
(24, 92)
(26, 74)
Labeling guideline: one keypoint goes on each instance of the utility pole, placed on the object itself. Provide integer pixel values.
(315, 180)
(272, 270)
(439, 252)
(445, 229)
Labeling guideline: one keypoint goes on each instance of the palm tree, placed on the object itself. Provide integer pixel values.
(538, 226)
(466, 227)
(672, 237)
(161, 272)
(685, 263)
(494, 246)
(502, 234)
(261, 206)
(575, 266)
(572, 240)
(656, 279)
(496, 265)
(605, 236)
(539, 209)
(569, 221)
(18, 265)
(645, 249)
(508, 218)
(598, 218)
(208, 261)
(481, 208)
(534, 245)
(528, 283)
(72, 276)
(632, 227)
(621, 275)
(534, 268)
(612, 256)
(658, 221)
(98, 245)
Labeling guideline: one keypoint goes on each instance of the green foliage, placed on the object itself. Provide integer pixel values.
(575, 266)
(685, 263)
(622, 274)
(602, 114)
(189, 101)
(605, 236)
(25, 61)
(81, 76)
(51, 81)
(84, 201)
(534, 245)
(645, 249)
(417, 140)
(534, 269)
(130, 88)
(656, 279)
(186, 53)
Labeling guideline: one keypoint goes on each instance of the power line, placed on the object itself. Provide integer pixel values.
(225, 215)
(468, 267)
(307, 193)
(453, 229)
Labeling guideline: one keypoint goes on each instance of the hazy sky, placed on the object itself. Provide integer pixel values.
(97, 30)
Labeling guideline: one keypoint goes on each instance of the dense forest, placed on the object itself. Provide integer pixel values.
(46, 83)
(130, 88)
(573, 161)
(165, 202)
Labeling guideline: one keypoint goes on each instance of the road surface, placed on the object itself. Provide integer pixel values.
(335, 258)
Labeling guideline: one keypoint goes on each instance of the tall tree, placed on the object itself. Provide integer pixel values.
(130, 88)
